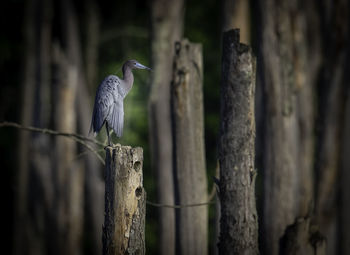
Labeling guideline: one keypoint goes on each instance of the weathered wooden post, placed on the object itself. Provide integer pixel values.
(188, 131)
(125, 202)
(239, 220)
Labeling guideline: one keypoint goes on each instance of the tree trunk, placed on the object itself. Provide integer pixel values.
(92, 43)
(334, 77)
(69, 172)
(20, 243)
(125, 202)
(236, 14)
(50, 216)
(239, 220)
(299, 52)
(166, 17)
(189, 161)
(344, 183)
(34, 195)
(94, 183)
(289, 118)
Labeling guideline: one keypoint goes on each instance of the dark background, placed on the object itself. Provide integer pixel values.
(312, 52)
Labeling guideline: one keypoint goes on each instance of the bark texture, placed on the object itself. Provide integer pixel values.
(125, 202)
(239, 220)
(189, 161)
(167, 25)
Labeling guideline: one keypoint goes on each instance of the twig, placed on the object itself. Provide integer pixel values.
(50, 131)
(76, 137)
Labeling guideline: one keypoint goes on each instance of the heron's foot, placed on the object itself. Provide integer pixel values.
(109, 145)
(117, 146)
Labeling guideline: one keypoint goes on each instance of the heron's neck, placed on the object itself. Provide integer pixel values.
(128, 78)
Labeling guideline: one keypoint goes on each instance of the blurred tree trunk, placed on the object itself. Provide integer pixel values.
(189, 162)
(69, 171)
(344, 182)
(289, 115)
(236, 14)
(94, 182)
(167, 25)
(92, 43)
(299, 36)
(20, 243)
(334, 80)
(50, 183)
(34, 194)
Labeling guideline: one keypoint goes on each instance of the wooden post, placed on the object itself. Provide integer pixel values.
(189, 164)
(125, 202)
(239, 220)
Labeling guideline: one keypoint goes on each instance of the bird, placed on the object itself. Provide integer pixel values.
(109, 106)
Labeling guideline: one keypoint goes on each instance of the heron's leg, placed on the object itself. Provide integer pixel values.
(109, 139)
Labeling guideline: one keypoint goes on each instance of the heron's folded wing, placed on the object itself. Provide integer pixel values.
(102, 109)
(117, 118)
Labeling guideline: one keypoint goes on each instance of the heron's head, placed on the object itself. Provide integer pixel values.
(133, 64)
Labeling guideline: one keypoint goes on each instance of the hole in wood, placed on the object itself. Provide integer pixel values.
(138, 192)
(137, 166)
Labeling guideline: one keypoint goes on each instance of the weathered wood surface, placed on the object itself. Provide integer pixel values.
(189, 162)
(125, 202)
(239, 220)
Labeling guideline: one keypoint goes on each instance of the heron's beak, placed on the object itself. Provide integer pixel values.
(139, 66)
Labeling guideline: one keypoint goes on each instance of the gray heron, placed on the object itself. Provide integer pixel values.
(108, 107)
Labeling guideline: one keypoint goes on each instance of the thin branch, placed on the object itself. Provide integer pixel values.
(210, 201)
(76, 137)
(50, 132)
